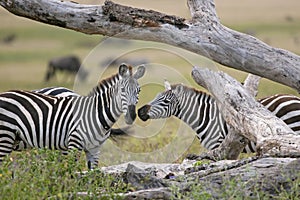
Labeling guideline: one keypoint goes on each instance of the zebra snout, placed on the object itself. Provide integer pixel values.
(143, 112)
(130, 115)
(132, 112)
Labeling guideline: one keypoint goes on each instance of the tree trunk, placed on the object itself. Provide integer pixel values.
(204, 34)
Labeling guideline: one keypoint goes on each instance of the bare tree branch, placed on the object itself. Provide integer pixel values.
(204, 34)
(251, 84)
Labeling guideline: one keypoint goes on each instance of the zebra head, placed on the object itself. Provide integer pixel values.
(129, 89)
(163, 105)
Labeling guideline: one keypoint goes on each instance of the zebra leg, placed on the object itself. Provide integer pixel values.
(92, 156)
(7, 141)
(19, 145)
(250, 147)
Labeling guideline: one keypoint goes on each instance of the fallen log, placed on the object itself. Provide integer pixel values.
(255, 177)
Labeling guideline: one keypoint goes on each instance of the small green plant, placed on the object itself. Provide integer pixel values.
(201, 162)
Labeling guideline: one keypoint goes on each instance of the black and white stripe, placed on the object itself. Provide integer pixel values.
(199, 110)
(56, 91)
(63, 123)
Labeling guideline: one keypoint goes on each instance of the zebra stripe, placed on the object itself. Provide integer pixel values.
(286, 107)
(199, 110)
(63, 123)
(56, 91)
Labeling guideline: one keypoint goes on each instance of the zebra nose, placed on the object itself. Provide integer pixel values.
(143, 112)
(132, 113)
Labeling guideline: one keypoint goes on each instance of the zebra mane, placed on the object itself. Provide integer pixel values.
(187, 89)
(105, 83)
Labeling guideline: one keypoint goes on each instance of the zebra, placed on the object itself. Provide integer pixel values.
(20, 145)
(64, 92)
(199, 110)
(72, 122)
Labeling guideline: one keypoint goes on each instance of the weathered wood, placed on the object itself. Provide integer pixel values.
(246, 116)
(140, 17)
(252, 176)
(251, 84)
(204, 34)
(265, 176)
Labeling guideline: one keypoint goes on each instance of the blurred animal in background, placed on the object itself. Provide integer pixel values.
(8, 38)
(69, 64)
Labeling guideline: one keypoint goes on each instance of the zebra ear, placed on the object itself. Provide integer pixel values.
(124, 70)
(139, 72)
(167, 85)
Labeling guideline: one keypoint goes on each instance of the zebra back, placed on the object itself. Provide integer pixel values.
(56, 91)
(286, 107)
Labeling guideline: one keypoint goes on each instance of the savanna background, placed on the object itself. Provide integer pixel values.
(24, 60)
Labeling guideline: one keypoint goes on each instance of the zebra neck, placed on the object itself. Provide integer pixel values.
(104, 99)
(105, 85)
(193, 108)
(200, 112)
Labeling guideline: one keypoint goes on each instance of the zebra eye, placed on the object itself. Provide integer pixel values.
(167, 100)
(122, 89)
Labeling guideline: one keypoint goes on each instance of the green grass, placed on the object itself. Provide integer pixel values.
(42, 174)
(23, 64)
(47, 174)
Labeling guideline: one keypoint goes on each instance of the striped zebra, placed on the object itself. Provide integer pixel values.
(65, 92)
(72, 122)
(199, 110)
(20, 145)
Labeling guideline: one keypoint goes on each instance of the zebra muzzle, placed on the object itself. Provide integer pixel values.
(130, 115)
(143, 112)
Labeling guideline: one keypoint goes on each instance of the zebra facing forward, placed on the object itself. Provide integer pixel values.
(72, 122)
(199, 110)
(64, 92)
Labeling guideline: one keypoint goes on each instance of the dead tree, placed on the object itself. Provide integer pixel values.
(203, 34)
